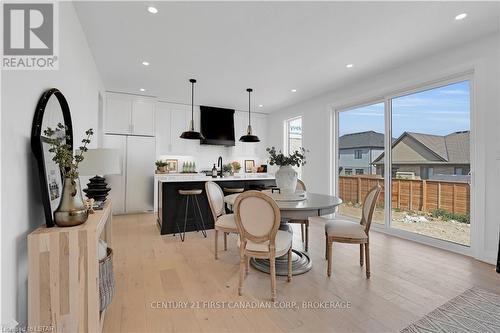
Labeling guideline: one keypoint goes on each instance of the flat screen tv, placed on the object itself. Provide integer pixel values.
(217, 126)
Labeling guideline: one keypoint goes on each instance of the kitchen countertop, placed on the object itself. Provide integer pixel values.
(177, 178)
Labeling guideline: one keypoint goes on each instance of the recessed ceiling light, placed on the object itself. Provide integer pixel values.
(145, 63)
(261, 106)
(152, 10)
(294, 90)
(349, 65)
(142, 89)
(460, 16)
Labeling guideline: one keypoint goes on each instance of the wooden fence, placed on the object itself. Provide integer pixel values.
(418, 195)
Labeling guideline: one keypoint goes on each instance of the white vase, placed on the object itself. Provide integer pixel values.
(286, 179)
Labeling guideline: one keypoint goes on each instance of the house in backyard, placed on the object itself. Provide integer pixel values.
(357, 152)
(427, 156)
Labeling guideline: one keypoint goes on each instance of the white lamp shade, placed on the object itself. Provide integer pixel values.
(100, 162)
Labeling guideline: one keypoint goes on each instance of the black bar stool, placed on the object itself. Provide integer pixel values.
(191, 195)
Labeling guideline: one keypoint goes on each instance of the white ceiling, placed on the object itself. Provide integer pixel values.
(271, 47)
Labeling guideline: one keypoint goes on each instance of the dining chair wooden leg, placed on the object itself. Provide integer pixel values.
(361, 254)
(247, 264)
(289, 278)
(216, 237)
(225, 241)
(306, 226)
(242, 274)
(330, 255)
(367, 255)
(272, 263)
(326, 247)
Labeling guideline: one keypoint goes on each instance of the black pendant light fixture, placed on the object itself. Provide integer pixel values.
(249, 137)
(191, 134)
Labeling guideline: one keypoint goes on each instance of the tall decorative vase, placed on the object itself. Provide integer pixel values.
(71, 210)
(286, 179)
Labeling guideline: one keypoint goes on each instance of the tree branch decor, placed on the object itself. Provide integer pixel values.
(297, 158)
(63, 153)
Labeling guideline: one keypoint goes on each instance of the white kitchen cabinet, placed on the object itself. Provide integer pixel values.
(118, 114)
(132, 190)
(171, 120)
(178, 125)
(129, 114)
(141, 153)
(143, 117)
(163, 121)
(117, 182)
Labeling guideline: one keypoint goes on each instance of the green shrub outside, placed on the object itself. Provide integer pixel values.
(446, 215)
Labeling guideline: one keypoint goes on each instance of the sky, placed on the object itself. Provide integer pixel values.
(437, 111)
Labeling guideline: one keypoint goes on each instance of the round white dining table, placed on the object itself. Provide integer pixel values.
(314, 205)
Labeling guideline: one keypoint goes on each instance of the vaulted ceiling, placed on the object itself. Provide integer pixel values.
(272, 47)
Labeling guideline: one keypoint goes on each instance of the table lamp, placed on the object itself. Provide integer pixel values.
(99, 162)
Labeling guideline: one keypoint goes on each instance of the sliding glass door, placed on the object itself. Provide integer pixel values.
(430, 163)
(427, 173)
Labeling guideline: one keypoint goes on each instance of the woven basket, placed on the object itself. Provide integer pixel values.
(106, 280)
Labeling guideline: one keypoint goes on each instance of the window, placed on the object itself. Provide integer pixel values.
(348, 172)
(360, 171)
(293, 134)
(427, 172)
(429, 126)
(293, 138)
(358, 154)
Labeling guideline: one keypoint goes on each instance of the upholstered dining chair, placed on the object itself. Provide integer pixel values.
(344, 231)
(257, 218)
(222, 222)
(304, 224)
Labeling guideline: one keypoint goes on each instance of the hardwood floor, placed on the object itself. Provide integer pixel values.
(408, 280)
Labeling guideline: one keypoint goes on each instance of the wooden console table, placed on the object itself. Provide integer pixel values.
(63, 275)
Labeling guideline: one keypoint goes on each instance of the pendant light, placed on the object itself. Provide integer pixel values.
(249, 137)
(191, 134)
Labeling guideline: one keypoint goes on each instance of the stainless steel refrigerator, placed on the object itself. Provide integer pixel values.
(132, 191)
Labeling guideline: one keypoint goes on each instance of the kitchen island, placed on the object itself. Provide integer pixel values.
(169, 205)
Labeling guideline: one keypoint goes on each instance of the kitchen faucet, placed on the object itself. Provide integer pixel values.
(219, 163)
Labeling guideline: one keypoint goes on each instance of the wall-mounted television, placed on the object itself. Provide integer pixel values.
(217, 126)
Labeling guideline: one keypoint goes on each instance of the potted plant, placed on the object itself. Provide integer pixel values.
(226, 170)
(286, 176)
(161, 166)
(72, 209)
(236, 166)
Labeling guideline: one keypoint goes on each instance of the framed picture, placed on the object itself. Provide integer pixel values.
(172, 165)
(249, 165)
(53, 176)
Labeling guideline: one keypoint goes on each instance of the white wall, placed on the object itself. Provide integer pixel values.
(482, 56)
(79, 81)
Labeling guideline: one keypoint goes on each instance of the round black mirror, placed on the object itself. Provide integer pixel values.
(52, 109)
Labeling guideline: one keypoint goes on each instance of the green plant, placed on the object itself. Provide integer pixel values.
(63, 153)
(160, 163)
(236, 166)
(446, 216)
(227, 168)
(297, 158)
